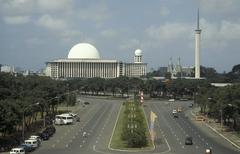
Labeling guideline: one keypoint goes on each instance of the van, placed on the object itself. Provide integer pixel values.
(17, 151)
(33, 142)
(63, 119)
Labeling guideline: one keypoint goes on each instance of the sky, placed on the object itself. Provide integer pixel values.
(33, 32)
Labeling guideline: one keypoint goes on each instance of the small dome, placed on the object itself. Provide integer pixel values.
(84, 51)
(138, 52)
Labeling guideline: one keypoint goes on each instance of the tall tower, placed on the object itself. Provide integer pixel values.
(197, 48)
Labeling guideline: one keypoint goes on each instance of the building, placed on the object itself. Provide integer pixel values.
(84, 62)
(178, 71)
(7, 69)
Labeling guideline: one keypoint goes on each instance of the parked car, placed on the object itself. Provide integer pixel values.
(36, 137)
(43, 135)
(188, 141)
(171, 100)
(27, 147)
(50, 130)
(19, 150)
(33, 143)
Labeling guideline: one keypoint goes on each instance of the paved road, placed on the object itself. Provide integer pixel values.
(98, 120)
(174, 130)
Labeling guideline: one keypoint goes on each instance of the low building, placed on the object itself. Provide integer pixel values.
(84, 62)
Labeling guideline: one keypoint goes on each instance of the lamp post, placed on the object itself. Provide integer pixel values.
(23, 121)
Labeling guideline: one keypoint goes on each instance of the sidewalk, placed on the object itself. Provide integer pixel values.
(230, 136)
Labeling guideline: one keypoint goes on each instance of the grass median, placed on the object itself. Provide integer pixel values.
(118, 142)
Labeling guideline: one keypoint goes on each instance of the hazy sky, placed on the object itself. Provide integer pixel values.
(35, 31)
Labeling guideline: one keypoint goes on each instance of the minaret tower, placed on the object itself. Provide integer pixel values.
(138, 56)
(197, 48)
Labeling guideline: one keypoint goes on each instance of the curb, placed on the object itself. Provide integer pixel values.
(223, 136)
(217, 132)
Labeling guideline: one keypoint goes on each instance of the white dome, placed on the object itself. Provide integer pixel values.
(84, 51)
(138, 52)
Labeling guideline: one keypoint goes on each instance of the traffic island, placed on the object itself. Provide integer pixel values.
(131, 130)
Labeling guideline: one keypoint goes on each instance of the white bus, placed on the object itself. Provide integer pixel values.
(63, 119)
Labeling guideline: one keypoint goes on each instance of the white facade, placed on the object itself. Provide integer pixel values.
(7, 69)
(197, 49)
(90, 67)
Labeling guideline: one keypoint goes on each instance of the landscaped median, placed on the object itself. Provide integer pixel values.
(131, 129)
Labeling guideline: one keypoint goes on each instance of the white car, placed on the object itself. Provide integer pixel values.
(17, 151)
(35, 137)
(33, 142)
(171, 100)
(174, 111)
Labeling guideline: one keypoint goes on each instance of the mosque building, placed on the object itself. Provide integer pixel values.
(84, 62)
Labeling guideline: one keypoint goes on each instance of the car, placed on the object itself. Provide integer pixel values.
(174, 111)
(36, 137)
(175, 115)
(191, 105)
(49, 131)
(27, 147)
(208, 151)
(171, 100)
(188, 141)
(18, 150)
(32, 142)
(44, 135)
(86, 103)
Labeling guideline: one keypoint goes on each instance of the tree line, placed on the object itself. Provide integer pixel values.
(18, 92)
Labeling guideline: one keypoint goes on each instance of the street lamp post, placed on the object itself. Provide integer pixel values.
(23, 121)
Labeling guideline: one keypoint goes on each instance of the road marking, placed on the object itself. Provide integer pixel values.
(66, 145)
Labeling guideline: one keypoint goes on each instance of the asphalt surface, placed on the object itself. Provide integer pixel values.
(175, 130)
(98, 119)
